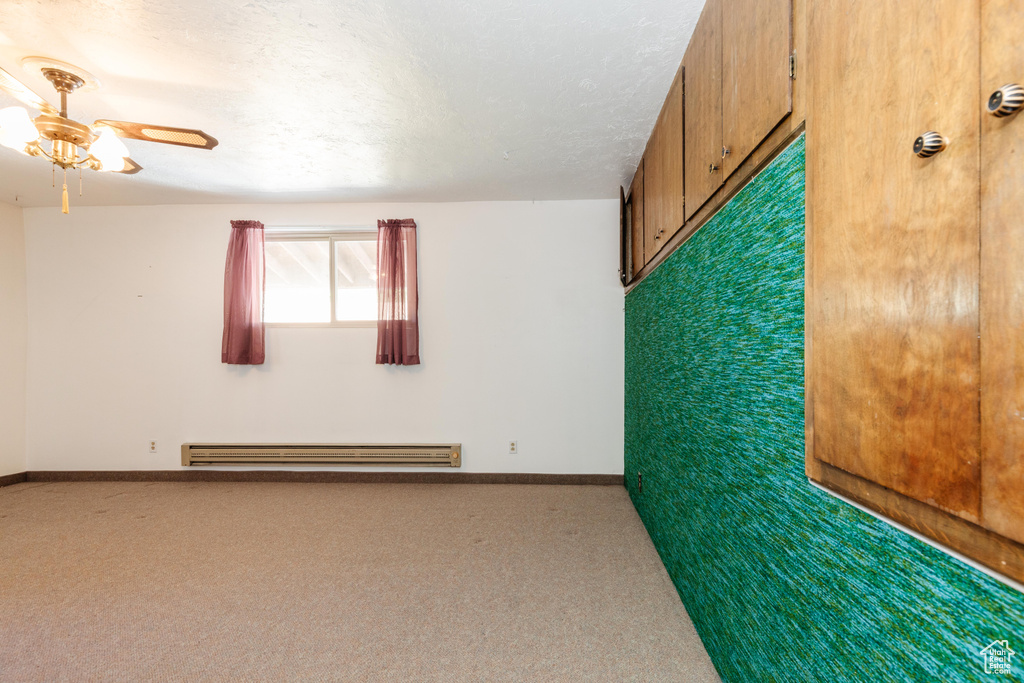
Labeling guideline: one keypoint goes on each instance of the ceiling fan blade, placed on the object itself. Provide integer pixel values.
(15, 88)
(130, 167)
(185, 137)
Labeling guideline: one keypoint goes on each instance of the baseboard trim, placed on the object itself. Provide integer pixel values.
(9, 479)
(323, 477)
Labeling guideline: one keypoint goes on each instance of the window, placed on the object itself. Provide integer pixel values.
(321, 278)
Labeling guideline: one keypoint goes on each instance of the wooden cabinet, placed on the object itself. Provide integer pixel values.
(896, 247)
(1002, 276)
(625, 235)
(703, 101)
(757, 92)
(738, 88)
(729, 109)
(663, 173)
(898, 379)
(635, 206)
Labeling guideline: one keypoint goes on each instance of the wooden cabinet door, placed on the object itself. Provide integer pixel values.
(624, 228)
(1002, 274)
(757, 92)
(652, 239)
(703, 102)
(893, 306)
(636, 206)
(652, 163)
(663, 175)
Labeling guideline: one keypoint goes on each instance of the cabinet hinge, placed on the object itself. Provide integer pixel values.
(792, 66)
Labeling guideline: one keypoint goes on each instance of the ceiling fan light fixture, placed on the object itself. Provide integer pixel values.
(71, 144)
(114, 165)
(108, 150)
(16, 128)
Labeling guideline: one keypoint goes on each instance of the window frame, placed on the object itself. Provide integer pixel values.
(332, 235)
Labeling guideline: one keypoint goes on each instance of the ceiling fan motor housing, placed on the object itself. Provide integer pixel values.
(60, 128)
(67, 137)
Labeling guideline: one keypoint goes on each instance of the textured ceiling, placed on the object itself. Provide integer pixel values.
(386, 100)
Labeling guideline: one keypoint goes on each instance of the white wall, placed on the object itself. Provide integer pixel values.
(13, 340)
(521, 329)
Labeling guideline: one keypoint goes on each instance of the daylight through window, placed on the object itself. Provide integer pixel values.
(321, 278)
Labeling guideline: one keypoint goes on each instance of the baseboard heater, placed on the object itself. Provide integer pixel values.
(265, 454)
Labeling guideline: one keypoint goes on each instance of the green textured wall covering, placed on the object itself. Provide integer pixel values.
(783, 581)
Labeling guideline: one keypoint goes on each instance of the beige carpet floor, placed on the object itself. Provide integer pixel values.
(335, 582)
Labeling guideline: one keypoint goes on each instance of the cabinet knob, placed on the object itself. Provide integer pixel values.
(1006, 100)
(725, 152)
(712, 168)
(929, 144)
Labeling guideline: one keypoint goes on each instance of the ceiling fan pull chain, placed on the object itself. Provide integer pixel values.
(79, 181)
(64, 198)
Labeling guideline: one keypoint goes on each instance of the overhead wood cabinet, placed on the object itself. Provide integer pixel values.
(703, 99)
(663, 173)
(909, 411)
(625, 235)
(738, 88)
(635, 206)
(1002, 269)
(757, 91)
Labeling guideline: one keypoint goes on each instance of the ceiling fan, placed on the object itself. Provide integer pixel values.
(70, 144)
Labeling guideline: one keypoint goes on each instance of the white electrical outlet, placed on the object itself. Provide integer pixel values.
(513, 447)
(152, 446)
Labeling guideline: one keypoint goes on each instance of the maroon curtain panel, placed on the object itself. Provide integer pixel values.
(398, 329)
(244, 280)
